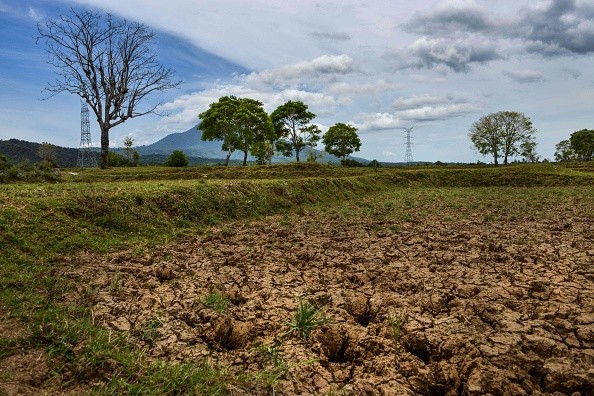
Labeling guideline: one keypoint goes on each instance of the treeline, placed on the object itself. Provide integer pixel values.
(241, 124)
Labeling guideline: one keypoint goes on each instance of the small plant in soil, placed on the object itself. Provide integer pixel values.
(395, 321)
(216, 301)
(275, 368)
(307, 317)
(116, 282)
(150, 331)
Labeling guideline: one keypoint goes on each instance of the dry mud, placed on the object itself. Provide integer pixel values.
(486, 305)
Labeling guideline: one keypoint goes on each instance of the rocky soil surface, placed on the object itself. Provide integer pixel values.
(457, 302)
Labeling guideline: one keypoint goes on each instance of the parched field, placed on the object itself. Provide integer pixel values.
(416, 289)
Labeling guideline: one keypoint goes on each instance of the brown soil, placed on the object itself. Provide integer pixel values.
(501, 307)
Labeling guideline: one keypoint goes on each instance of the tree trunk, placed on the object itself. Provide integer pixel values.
(227, 159)
(505, 160)
(245, 155)
(104, 147)
(495, 159)
(297, 154)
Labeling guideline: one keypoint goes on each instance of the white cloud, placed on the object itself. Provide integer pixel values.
(524, 76)
(35, 14)
(426, 100)
(325, 66)
(377, 122)
(430, 114)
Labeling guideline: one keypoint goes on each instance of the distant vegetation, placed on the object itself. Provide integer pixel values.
(503, 135)
(579, 147)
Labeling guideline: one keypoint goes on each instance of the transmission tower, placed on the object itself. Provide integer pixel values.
(86, 157)
(408, 144)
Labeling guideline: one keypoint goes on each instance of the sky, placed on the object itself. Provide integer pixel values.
(379, 65)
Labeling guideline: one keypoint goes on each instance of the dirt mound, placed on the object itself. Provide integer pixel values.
(435, 307)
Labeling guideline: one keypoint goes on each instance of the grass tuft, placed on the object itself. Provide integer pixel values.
(307, 318)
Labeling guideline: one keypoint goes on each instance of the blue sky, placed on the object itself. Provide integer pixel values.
(380, 65)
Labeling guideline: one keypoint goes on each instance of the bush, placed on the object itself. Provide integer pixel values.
(4, 164)
(374, 164)
(116, 160)
(350, 163)
(178, 158)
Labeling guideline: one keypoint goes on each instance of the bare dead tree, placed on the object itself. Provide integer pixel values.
(108, 62)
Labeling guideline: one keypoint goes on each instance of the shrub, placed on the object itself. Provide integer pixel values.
(4, 164)
(178, 158)
(350, 163)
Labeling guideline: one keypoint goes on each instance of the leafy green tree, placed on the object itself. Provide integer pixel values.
(117, 160)
(239, 123)
(503, 134)
(177, 159)
(564, 152)
(292, 122)
(47, 152)
(128, 143)
(528, 151)
(253, 127)
(341, 140)
(582, 143)
(263, 151)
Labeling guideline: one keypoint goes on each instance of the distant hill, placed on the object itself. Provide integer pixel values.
(19, 151)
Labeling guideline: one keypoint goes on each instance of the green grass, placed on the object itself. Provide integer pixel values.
(306, 318)
(44, 225)
(216, 301)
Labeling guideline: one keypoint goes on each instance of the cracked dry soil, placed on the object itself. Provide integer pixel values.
(500, 305)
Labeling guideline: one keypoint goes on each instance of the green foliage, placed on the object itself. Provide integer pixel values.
(579, 147)
(341, 140)
(504, 134)
(275, 367)
(307, 318)
(582, 144)
(4, 164)
(350, 163)
(292, 123)
(239, 123)
(116, 160)
(374, 164)
(564, 152)
(177, 159)
(216, 301)
(47, 152)
(395, 322)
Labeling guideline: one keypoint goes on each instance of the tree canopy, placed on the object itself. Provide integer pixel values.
(579, 147)
(292, 122)
(341, 140)
(106, 61)
(582, 143)
(241, 123)
(504, 134)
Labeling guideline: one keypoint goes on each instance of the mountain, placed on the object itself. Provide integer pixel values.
(189, 142)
